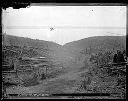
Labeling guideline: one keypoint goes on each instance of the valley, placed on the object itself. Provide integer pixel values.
(64, 68)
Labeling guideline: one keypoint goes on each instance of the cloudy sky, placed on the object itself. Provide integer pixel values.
(69, 23)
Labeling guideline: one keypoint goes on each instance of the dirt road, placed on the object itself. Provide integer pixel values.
(61, 84)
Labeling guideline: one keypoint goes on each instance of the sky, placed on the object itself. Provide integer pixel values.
(69, 23)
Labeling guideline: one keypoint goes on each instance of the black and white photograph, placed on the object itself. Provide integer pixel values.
(64, 51)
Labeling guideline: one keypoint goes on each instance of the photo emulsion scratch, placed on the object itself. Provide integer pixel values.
(64, 52)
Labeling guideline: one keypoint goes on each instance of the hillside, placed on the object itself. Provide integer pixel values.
(74, 68)
(40, 47)
(98, 41)
(21, 41)
(95, 44)
(68, 51)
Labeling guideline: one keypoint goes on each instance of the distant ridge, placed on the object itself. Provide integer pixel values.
(23, 41)
(97, 43)
(94, 37)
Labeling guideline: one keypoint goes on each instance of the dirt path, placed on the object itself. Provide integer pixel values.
(63, 83)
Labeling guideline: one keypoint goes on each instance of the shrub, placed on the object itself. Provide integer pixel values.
(104, 81)
(102, 58)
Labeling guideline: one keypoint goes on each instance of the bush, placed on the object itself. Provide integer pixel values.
(43, 76)
(102, 79)
(102, 58)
